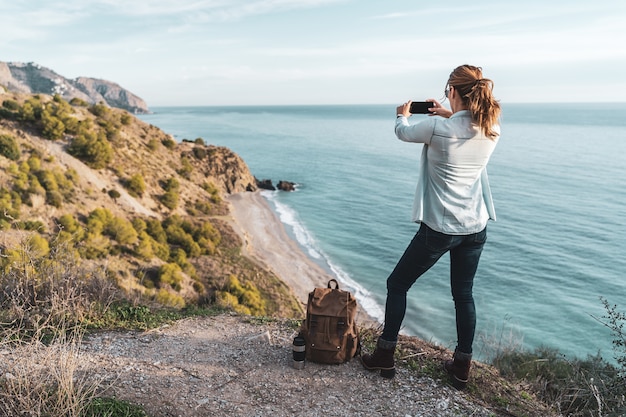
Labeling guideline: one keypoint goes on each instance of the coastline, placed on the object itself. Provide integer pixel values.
(266, 241)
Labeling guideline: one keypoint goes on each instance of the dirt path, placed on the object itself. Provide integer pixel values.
(230, 366)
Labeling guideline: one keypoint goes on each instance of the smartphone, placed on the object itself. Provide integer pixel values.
(421, 107)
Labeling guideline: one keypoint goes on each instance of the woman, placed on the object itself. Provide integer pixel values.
(452, 204)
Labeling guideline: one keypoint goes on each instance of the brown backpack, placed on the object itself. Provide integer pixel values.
(330, 329)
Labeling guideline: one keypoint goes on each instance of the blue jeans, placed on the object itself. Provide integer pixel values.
(423, 252)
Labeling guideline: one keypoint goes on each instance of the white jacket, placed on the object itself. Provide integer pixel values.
(453, 194)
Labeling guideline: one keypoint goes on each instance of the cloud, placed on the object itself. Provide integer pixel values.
(201, 9)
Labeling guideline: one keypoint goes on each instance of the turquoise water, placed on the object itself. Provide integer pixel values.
(557, 176)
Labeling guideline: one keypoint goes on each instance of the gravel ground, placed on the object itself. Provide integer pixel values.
(232, 365)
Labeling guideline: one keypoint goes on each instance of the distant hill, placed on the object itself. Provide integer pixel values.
(125, 195)
(31, 78)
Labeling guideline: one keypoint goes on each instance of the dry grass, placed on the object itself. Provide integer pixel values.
(44, 378)
(45, 297)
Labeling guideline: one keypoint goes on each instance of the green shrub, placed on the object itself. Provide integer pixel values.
(121, 230)
(23, 167)
(200, 153)
(10, 203)
(153, 144)
(144, 248)
(13, 168)
(102, 221)
(72, 176)
(72, 125)
(55, 193)
(54, 198)
(85, 126)
(32, 225)
(7, 114)
(135, 185)
(111, 129)
(170, 199)
(9, 147)
(170, 274)
(114, 194)
(208, 237)
(100, 110)
(139, 225)
(171, 196)
(93, 149)
(78, 102)
(38, 246)
(199, 206)
(11, 105)
(162, 251)
(95, 246)
(193, 237)
(126, 119)
(213, 190)
(53, 128)
(177, 236)
(47, 179)
(171, 184)
(227, 300)
(245, 299)
(199, 287)
(168, 299)
(98, 219)
(186, 168)
(34, 187)
(169, 143)
(158, 239)
(156, 230)
(34, 163)
(70, 225)
(179, 257)
(30, 110)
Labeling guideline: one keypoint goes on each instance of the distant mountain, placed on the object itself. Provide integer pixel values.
(31, 78)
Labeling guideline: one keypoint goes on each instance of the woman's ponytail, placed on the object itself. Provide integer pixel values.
(477, 95)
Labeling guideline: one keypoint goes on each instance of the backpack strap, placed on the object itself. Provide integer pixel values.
(313, 324)
(341, 328)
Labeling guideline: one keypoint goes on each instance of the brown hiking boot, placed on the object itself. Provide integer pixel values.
(459, 368)
(382, 359)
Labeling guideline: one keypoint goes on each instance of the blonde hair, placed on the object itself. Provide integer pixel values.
(476, 93)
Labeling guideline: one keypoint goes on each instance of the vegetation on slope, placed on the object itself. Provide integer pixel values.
(149, 209)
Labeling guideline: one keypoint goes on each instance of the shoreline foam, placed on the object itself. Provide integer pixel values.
(266, 240)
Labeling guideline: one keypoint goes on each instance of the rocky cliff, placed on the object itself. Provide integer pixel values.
(31, 78)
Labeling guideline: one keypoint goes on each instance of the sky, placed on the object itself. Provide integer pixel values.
(291, 52)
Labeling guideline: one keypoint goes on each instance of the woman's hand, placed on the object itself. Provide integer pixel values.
(439, 110)
(404, 109)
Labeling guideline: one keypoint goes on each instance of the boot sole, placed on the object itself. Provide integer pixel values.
(457, 383)
(388, 373)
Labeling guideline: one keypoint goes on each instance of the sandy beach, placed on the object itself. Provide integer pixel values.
(266, 240)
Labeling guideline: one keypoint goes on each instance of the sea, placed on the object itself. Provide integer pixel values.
(556, 250)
